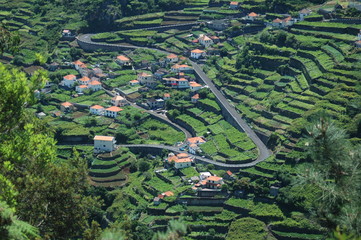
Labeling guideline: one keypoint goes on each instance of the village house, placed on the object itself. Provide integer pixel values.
(77, 64)
(104, 143)
(195, 98)
(155, 103)
(133, 82)
(251, 16)
(67, 107)
(229, 175)
(146, 79)
(68, 80)
(233, 5)
(277, 23)
(156, 201)
(84, 81)
(97, 110)
(193, 144)
(112, 112)
(95, 85)
(215, 39)
(193, 149)
(197, 53)
(83, 70)
(282, 23)
(194, 86)
(160, 73)
(181, 160)
(358, 43)
(66, 33)
(359, 35)
(123, 60)
(181, 68)
(172, 58)
(214, 182)
(118, 101)
(81, 88)
(218, 25)
(166, 96)
(304, 13)
(205, 40)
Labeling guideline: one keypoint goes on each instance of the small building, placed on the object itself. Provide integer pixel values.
(229, 175)
(104, 144)
(172, 58)
(204, 175)
(84, 81)
(195, 98)
(133, 82)
(66, 33)
(358, 44)
(95, 85)
(166, 96)
(112, 112)
(359, 35)
(251, 16)
(146, 79)
(41, 115)
(277, 23)
(118, 101)
(214, 182)
(193, 149)
(274, 191)
(196, 140)
(156, 201)
(181, 160)
(69, 80)
(81, 88)
(77, 64)
(197, 53)
(205, 40)
(155, 103)
(218, 25)
(123, 60)
(160, 73)
(67, 107)
(215, 39)
(97, 110)
(304, 13)
(233, 5)
(194, 86)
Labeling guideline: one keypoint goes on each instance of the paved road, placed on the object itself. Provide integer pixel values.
(264, 153)
(196, 157)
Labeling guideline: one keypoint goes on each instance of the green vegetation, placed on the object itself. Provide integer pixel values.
(247, 228)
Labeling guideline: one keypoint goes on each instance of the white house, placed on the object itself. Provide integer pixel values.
(104, 143)
(193, 148)
(97, 110)
(166, 96)
(205, 40)
(112, 111)
(252, 16)
(123, 60)
(181, 83)
(81, 88)
(181, 160)
(197, 53)
(84, 81)
(193, 144)
(119, 101)
(172, 58)
(204, 175)
(303, 13)
(133, 82)
(77, 64)
(278, 23)
(69, 80)
(95, 85)
(146, 79)
(214, 182)
(359, 35)
(194, 86)
(195, 98)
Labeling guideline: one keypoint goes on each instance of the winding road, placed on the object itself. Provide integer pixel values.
(85, 41)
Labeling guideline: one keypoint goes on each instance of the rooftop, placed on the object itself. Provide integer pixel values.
(104, 138)
(114, 109)
(96, 107)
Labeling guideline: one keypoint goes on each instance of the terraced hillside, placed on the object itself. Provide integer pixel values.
(279, 79)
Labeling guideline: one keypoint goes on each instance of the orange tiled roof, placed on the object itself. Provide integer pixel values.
(77, 62)
(277, 20)
(123, 58)
(104, 138)
(194, 140)
(114, 109)
(182, 155)
(96, 107)
(70, 77)
(196, 96)
(67, 104)
(166, 95)
(234, 3)
(171, 56)
(83, 86)
(134, 81)
(253, 14)
(95, 82)
(197, 51)
(194, 84)
(168, 193)
(214, 178)
(144, 74)
(84, 79)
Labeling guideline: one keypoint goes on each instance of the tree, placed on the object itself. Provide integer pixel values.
(9, 41)
(336, 172)
(176, 229)
(143, 166)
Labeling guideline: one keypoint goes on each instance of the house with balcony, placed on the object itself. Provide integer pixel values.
(197, 53)
(104, 144)
(112, 111)
(97, 110)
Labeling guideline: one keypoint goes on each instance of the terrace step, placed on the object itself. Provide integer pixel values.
(321, 90)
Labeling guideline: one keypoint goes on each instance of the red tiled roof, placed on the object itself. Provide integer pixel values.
(194, 84)
(84, 79)
(83, 86)
(229, 173)
(77, 62)
(214, 178)
(134, 81)
(233, 3)
(168, 193)
(196, 96)
(166, 95)
(103, 138)
(194, 140)
(253, 14)
(171, 56)
(95, 82)
(277, 20)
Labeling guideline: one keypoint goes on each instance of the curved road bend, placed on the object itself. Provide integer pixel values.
(263, 150)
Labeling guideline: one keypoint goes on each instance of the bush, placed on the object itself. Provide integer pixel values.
(247, 228)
